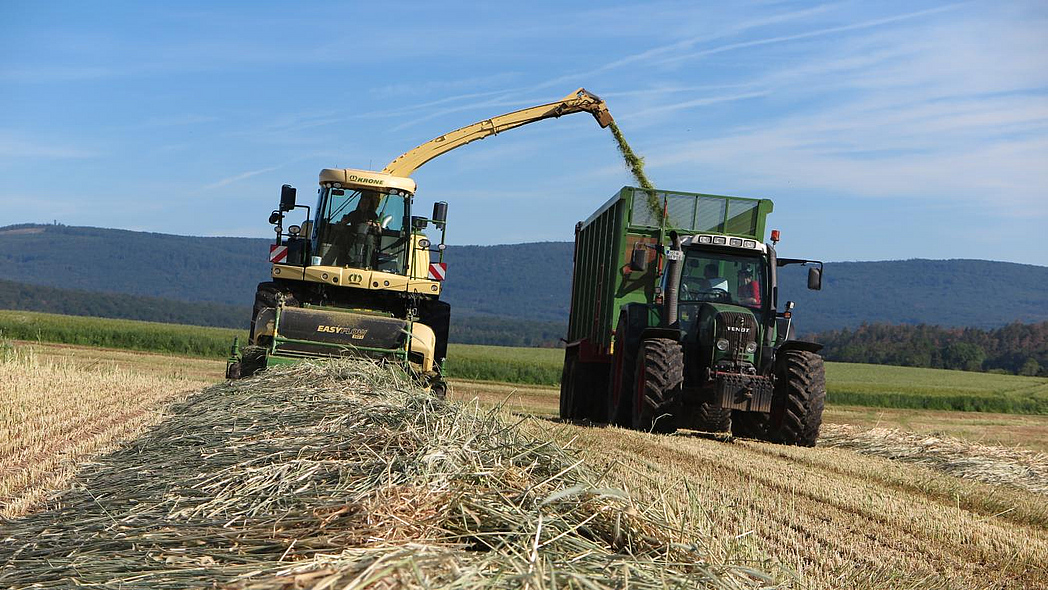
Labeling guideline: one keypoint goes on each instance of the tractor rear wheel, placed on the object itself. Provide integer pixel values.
(712, 418)
(796, 409)
(657, 380)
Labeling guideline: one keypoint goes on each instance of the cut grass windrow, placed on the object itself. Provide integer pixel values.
(345, 475)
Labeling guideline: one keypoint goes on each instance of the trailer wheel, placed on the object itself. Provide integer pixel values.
(657, 385)
(620, 382)
(712, 418)
(796, 410)
(567, 389)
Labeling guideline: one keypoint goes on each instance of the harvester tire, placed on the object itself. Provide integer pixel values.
(620, 382)
(267, 295)
(657, 381)
(252, 360)
(796, 409)
(711, 418)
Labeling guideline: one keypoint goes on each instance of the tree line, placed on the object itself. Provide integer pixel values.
(1017, 348)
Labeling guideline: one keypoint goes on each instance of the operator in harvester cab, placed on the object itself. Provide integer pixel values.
(362, 230)
(749, 288)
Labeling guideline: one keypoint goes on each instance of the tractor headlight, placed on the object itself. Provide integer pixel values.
(751, 347)
(722, 344)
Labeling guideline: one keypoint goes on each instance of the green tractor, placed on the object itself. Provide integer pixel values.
(676, 322)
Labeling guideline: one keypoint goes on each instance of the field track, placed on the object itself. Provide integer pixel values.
(829, 517)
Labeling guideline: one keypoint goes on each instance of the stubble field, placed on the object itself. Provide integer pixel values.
(888, 499)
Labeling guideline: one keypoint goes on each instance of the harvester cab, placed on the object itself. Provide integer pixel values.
(359, 276)
(675, 321)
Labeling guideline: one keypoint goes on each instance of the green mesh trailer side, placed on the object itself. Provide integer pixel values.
(604, 244)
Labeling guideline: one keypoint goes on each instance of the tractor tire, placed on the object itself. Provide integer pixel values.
(252, 360)
(620, 381)
(797, 415)
(711, 418)
(658, 377)
(796, 409)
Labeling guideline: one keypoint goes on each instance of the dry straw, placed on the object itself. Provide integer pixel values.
(989, 464)
(344, 475)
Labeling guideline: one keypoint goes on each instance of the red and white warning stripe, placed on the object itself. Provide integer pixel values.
(437, 271)
(277, 253)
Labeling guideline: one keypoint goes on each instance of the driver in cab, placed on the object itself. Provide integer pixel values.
(364, 229)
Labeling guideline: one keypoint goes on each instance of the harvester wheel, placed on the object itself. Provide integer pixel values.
(657, 385)
(620, 382)
(712, 418)
(796, 409)
(252, 360)
(266, 296)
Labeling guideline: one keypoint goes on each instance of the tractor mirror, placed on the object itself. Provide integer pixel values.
(814, 278)
(790, 305)
(639, 260)
(287, 197)
(440, 212)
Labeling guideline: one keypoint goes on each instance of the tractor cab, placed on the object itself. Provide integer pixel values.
(725, 276)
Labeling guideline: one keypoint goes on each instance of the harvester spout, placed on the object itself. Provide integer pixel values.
(577, 102)
(585, 100)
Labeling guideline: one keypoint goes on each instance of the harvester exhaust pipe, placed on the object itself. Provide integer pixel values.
(673, 271)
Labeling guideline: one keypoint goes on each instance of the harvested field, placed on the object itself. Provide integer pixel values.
(871, 507)
(344, 475)
(54, 415)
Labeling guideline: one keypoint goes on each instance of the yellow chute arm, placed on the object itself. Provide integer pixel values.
(579, 101)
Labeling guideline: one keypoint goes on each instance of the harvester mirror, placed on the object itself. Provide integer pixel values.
(287, 197)
(419, 222)
(790, 305)
(814, 278)
(639, 260)
(274, 217)
(440, 212)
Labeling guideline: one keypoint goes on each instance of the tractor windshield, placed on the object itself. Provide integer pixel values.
(722, 277)
(362, 229)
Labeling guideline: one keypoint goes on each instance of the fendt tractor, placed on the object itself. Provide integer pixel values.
(357, 276)
(676, 322)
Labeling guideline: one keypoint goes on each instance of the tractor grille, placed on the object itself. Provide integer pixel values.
(739, 329)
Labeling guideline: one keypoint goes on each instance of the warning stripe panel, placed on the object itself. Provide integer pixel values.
(277, 253)
(437, 271)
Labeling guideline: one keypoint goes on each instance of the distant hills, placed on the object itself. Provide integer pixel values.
(499, 286)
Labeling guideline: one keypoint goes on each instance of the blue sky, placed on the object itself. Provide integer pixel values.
(882, 130)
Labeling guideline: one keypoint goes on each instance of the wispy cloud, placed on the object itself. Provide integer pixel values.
(242, 176)
(13, 146)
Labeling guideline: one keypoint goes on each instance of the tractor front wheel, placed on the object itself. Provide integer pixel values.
(796, 409)
(657, 379)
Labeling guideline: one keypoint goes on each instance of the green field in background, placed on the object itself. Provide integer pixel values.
(848, 383)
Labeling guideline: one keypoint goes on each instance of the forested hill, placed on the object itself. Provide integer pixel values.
(529, 281)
